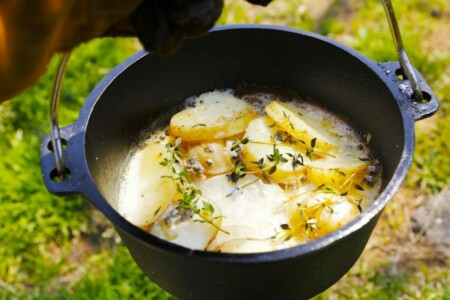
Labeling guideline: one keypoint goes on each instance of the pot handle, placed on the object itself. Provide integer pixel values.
(71, 180)
(410, 82)
(60, 170)
(404, 92)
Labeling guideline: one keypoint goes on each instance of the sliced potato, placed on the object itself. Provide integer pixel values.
(214, 157)
(289, 118)
(246, 246)
(261, 129)
(285, 172)
(298, 214)
(260, 133)
(334, 216)
(216, 115)
(147, 194)
(264, 129)
(337, 174)
(241, 233)
(191, 233)
(314, 215)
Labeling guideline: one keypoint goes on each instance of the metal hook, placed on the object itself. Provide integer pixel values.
(402, 56)
(54, 127)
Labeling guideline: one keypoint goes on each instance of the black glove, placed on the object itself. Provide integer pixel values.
(259, 2)
(161, 25)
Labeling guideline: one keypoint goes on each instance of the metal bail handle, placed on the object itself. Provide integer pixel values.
(55, 136)
(402, 56)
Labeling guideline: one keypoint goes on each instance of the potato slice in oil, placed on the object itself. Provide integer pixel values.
(316, 214)
(146, 193)
(246, 246)
(290, 118)
(190, 232)
(256, 157)
(215, 115)
(261, 129)
(339, 174)
(214, 156)
(263, 142)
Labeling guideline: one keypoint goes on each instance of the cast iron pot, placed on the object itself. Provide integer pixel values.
(125, 101)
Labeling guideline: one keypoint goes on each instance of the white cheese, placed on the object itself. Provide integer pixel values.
(255, 207)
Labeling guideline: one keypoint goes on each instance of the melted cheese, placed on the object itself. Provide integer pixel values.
(255, 206)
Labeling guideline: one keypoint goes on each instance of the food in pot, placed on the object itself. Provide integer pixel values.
(250, 173)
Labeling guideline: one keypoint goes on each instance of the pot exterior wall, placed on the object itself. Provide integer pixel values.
(299, 277)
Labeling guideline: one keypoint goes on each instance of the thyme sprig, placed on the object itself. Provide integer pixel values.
(288, 120)
(236, 146)
(275, 158)
(310, 213)
(189, 194)
(311, 225)
(285, 234)
(342, 190)
(310, 149)
(297, 160)
(239, 171)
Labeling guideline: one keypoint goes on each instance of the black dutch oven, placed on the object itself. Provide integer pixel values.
(373, 95)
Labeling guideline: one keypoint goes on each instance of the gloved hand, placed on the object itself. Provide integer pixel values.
(32, 31)
(162, 24)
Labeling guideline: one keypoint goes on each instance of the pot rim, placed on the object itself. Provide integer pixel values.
(90, 190)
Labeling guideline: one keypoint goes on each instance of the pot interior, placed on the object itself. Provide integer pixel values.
(315, 68)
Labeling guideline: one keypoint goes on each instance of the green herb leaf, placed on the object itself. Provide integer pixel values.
(273, 169)
(285, 226)
(157, 211)
(358, 187)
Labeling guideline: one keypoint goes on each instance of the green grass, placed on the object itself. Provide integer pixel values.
(378, 283)
(43, 249)
(112, 275)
